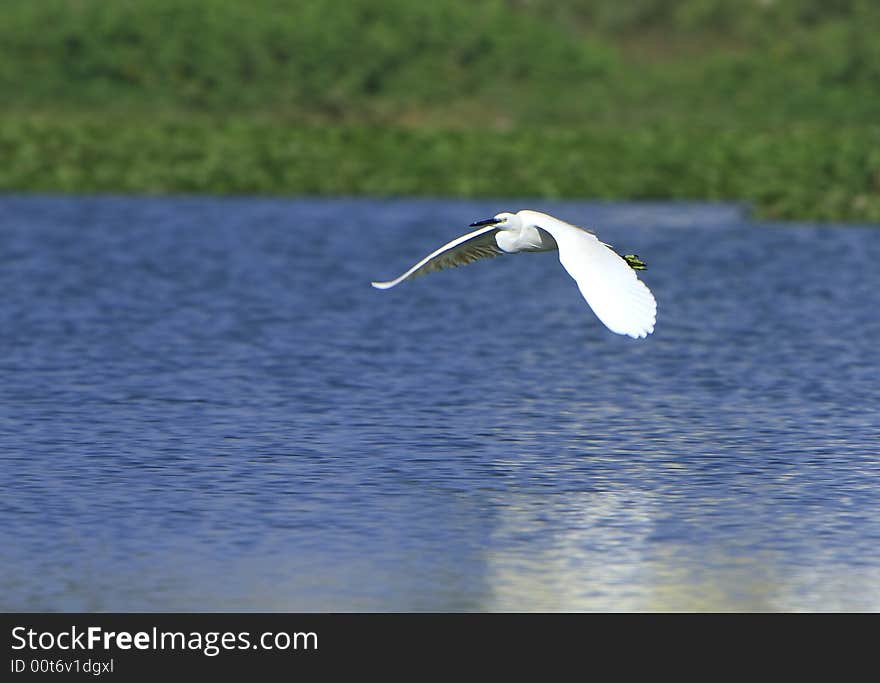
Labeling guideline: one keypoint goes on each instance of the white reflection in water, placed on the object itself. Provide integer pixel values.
(602, 553)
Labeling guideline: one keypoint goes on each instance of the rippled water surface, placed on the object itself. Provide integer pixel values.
(205, 406)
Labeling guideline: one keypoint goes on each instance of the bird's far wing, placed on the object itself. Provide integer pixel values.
(460, 251)
(618, 298)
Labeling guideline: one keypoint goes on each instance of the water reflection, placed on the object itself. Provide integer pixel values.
(608, 551)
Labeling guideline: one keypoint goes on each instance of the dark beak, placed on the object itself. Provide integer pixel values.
(485, 221)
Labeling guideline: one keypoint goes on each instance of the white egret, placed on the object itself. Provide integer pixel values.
(606, 280)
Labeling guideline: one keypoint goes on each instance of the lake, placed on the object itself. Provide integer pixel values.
(205, 406)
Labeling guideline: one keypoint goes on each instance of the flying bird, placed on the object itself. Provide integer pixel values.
(606, 279)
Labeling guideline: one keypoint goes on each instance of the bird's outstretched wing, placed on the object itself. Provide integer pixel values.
(609, 284)
(460, 251)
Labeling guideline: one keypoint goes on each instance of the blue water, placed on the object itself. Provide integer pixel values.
(205, 406)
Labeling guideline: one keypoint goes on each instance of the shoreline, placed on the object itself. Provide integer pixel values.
(814, 172)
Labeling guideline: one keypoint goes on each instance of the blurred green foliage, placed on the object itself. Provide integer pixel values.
(327, 58)
(774, 102)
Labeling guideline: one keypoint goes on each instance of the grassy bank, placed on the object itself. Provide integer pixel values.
(773, 104)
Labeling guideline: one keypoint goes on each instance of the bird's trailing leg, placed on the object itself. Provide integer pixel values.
(635, 262)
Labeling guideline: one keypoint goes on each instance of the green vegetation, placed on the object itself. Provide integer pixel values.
(773, 102)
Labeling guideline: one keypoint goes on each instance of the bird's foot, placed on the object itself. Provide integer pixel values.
(635, 262)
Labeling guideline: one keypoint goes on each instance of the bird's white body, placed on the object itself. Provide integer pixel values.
(529, 238)
(608, 282)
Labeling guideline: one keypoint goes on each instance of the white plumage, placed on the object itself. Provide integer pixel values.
(606, 280)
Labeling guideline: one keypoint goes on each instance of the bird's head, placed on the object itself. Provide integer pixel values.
(503, 221)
